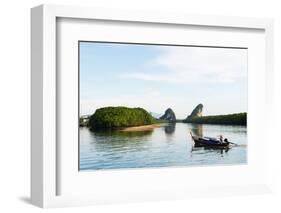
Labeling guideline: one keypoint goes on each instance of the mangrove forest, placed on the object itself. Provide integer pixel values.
(117, 117)
(230, 119)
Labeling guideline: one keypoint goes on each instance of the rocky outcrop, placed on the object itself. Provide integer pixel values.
(197, 112)
(169, 115)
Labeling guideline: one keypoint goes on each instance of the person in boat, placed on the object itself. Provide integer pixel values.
(221, 138)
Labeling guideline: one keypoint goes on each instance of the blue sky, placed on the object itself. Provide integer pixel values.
(157, 77)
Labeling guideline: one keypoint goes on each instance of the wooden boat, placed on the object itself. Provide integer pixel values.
(209, 142)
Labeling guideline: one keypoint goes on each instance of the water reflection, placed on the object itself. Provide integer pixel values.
(118, 133)
(197, 129)
(116, 141)
(210, 149)
(170, 128)
(168, 145)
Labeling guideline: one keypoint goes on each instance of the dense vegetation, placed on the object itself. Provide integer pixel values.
(117, 117)
(231, 119)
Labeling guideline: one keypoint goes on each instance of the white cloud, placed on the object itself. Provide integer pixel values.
(195, 64)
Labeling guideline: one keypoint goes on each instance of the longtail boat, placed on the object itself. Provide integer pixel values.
(209, 142)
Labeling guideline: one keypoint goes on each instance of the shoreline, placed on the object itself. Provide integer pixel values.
(140, 128)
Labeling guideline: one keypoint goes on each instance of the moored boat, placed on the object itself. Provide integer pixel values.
(209, 142)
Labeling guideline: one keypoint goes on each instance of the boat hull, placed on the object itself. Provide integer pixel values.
(201, 142)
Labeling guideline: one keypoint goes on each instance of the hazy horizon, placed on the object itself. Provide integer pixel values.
(159, 77)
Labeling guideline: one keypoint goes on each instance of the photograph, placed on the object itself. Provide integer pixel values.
(161, 105)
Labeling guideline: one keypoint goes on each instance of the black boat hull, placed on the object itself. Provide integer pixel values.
(201, 142)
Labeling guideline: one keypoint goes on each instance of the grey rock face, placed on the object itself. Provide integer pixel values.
(169, 115)
(197, 112)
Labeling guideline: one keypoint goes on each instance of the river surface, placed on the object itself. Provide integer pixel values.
(166, 146)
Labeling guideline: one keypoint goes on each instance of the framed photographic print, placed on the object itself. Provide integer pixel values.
(137, 100)
(130, 106)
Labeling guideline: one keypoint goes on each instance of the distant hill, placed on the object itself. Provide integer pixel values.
(155, 115)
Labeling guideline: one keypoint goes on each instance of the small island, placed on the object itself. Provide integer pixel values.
(120, 117)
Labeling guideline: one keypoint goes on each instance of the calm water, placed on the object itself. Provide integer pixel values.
(169, 145)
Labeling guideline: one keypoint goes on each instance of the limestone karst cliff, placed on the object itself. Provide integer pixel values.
(169, 115)
(196, 112)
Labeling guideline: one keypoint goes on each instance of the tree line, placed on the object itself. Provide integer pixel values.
(230, 119)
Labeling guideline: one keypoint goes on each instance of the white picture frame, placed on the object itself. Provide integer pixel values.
(45, 169)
